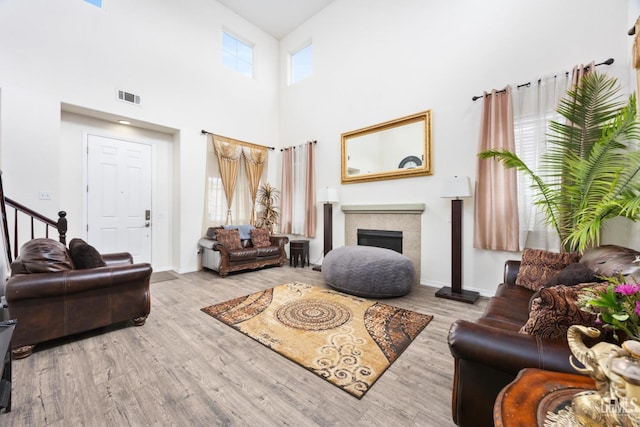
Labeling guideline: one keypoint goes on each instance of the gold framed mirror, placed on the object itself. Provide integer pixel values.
(399, 148)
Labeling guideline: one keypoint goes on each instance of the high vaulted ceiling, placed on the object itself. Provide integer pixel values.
(276, 17)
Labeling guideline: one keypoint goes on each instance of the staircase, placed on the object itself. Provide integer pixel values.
(21, 214)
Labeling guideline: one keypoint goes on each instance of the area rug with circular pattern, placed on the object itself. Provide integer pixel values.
(347, 340)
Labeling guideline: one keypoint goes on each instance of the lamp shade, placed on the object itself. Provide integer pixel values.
(456, 187)
(327, 195)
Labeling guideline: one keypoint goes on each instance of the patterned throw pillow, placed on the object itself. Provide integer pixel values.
(556, 308)
(230, 239)
(260, 237)
(539, 266)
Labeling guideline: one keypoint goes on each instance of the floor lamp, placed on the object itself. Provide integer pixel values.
(456, 189)
(327, 196)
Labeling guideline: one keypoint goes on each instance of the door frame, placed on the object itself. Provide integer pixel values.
(85, 177)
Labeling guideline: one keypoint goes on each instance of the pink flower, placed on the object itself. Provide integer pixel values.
(627, 289)
(637, 308)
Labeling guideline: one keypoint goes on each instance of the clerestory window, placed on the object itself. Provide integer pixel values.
(237, 54)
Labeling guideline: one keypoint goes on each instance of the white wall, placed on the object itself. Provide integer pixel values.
(375, 60)
(60, 51)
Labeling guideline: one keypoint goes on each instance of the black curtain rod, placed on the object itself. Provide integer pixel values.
(475, 98)
(294, 147)
(204, 132)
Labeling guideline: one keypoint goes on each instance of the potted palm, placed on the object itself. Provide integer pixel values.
(591, 171)
(268, 215)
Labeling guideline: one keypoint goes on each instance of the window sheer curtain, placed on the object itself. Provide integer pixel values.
(298, 211)
(534, 108)
(496, 204)
(217, 210)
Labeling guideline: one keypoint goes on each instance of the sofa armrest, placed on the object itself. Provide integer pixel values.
(506, 351)
(207, 243)
(117, 258)
(511, 268)
(279, 241)
(47, 285)
(217, 246)
(214, 245)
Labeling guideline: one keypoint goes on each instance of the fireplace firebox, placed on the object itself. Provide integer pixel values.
(381, 238)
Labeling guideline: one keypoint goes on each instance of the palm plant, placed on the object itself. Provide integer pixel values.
(591, 170)
(268, 216)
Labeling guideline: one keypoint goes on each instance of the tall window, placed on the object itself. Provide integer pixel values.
(237, 55)
(215, 200)
(533, 108)
(301, 64)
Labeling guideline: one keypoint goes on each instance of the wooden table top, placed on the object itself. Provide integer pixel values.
(533, 392)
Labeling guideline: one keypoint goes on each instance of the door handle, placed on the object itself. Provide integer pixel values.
(147, 224)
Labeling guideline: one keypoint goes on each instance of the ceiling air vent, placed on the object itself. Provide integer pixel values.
(128, 97)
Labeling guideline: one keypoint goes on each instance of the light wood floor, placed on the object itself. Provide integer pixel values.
(184, 368)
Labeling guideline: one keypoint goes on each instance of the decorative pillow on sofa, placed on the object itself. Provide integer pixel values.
(230, 239)
(539, 266)
(42, 256)
(260, 237)
(574, 274)
(84, 255)
(244, 230)
(556, 308)
(612, 260)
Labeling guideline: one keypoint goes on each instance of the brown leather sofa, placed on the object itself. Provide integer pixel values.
(51, 298)
(219, 257)
(489, 353)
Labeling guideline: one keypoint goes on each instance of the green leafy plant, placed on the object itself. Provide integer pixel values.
(591, 170)
(268, 215)
(618, 307)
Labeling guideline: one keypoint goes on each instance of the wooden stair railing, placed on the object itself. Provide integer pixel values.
(60, 224)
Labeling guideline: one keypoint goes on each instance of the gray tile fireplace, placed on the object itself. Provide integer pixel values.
(403, 218)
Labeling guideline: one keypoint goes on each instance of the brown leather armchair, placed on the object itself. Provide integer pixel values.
(50, 298)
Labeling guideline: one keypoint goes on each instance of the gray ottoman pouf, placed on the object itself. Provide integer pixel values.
(368, 271)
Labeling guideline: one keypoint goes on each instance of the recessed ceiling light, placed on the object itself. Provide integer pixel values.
(124, 122)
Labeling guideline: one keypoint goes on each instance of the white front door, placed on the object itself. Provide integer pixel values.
(119, 196)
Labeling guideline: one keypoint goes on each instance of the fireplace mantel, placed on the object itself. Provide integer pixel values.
(402, 208)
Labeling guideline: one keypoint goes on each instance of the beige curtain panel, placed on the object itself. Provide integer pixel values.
(496, 195)
(310, 192)
(254, 160)
(228, 152)
(579, 71)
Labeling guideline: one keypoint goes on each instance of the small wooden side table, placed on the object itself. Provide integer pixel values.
(298, 250)
(526, 401)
